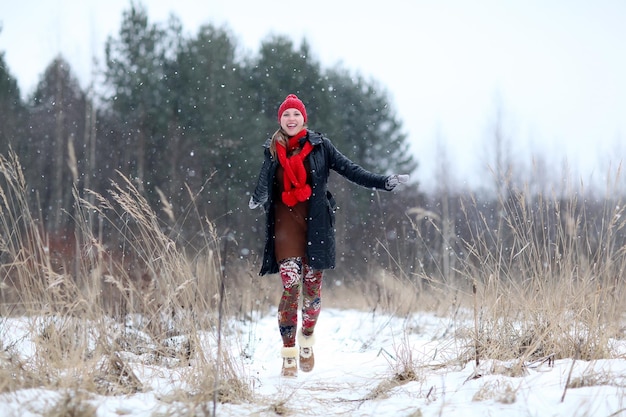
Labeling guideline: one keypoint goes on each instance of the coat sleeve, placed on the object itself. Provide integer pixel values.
(260, 194)
(352, 171)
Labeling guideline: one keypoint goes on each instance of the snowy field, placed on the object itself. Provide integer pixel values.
(366, 365)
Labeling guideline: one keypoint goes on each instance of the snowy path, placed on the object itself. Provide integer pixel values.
(352, 358)
(358, 354)
(358, 357)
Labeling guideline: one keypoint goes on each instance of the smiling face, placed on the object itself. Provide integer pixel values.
(292, 121)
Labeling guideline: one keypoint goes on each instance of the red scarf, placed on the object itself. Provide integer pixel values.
(294, 179)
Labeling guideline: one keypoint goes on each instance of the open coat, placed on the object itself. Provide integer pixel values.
(320, 253)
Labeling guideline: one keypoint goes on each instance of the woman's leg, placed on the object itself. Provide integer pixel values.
(311, 300)
(290, 270)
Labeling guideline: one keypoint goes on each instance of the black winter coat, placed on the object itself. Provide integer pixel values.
(321, 219)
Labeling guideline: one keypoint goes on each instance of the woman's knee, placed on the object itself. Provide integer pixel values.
(290, 270)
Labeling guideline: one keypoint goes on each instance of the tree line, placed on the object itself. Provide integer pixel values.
(185, 118)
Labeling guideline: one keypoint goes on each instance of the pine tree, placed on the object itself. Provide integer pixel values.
(12, 110)
(57, 120)
(135, 73)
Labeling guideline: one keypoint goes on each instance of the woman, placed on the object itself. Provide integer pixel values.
(300, 242)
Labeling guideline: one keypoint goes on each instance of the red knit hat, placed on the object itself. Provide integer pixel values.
(292, 102)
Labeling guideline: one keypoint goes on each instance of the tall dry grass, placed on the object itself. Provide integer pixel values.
(118, 291)
(114, 291)
(540, 279)
(548, 282)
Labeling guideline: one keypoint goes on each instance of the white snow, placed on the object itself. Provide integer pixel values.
(359, 356)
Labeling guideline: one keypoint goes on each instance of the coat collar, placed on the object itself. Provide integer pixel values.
(315, 138)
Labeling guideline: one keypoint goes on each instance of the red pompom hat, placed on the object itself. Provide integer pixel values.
(292, 102)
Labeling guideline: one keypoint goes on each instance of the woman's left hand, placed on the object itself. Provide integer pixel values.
(395, 179)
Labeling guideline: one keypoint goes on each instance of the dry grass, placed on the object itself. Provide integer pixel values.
(553, 293)
(118, 291)
(115, 291)
(543, 282)
(500, 391)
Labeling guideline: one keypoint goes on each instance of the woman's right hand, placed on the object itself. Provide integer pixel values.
(253, 204)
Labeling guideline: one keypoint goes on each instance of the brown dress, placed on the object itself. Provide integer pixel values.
(290, 222)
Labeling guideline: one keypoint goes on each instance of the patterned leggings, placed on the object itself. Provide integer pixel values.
(294, 274)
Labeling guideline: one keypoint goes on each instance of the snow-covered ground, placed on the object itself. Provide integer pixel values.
(368, 364)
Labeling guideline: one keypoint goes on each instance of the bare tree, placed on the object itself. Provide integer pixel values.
(443, 192)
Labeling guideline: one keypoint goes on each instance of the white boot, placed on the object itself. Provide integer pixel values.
(307, 359)
(290, 364)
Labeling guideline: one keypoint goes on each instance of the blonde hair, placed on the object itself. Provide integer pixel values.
(279, 137)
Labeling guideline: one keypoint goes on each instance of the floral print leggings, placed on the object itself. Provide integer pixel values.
(298, 277)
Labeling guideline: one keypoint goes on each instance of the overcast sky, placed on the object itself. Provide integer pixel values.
(554, 68)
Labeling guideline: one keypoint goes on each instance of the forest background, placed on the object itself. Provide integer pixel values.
(185, 117)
